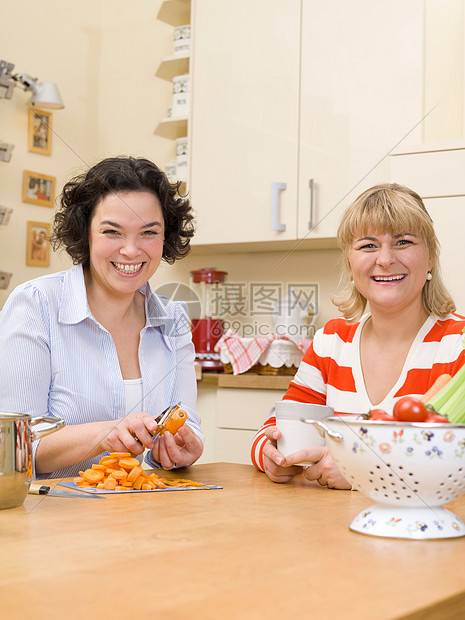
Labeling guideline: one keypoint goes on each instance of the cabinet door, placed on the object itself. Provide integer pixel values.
(361, 96)
(240, 413)
(448, 215)
(245, 86)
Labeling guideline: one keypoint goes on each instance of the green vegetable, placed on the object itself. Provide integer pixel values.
(450, 400)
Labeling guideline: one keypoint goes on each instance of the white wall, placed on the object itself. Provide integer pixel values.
(103, 55)
(41, 47)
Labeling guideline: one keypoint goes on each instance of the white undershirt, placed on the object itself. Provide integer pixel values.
(134, 395)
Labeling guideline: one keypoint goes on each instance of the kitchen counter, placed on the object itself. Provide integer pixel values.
(247, 380)
(251, 550)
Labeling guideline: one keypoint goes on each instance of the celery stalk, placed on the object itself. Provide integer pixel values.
(454, 408)
(439, 400)
(450, 401)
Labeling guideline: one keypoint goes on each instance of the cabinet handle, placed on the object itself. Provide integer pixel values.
(311, 185)
(275, 189)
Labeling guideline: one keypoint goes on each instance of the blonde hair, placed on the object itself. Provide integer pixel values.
(390, 209)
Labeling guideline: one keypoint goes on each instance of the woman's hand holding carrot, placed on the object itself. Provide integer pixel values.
(178, 450)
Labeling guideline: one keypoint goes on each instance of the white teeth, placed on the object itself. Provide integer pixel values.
(128, 268)
(387, 278)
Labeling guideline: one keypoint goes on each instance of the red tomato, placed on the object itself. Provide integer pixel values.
(410, 409)
(380, 414)
(434, 417)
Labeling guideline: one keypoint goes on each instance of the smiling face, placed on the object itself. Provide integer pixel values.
(125, 241)
(390, 270)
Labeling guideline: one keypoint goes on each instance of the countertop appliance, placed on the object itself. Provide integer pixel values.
(208, 328)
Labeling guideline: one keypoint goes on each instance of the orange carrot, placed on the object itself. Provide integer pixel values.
(129, 463)
(109, 462)
(175, 421)
(119, 474)
(110, 484)
(155, 480)
(93, 475)
(137, 484)
(98, 466)
(135, 473)
(440, 382)
(125, 473)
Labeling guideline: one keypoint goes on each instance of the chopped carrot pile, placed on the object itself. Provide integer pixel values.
(120, 471)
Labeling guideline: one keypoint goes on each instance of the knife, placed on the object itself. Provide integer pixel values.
(38, 489)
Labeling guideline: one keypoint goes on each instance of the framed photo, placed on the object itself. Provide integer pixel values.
(5, 278)
(38, 244)
(38, 188)
(5, 215)
(39, 132)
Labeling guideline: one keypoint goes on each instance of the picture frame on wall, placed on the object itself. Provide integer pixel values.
(5, 279)
(38, 188)
(39, 132)
(38, 244)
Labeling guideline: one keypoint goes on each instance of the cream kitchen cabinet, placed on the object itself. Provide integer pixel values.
(240, 413)
(245, 118)
(435, 172)
(232, 411)
(448, 213)
(295, 107)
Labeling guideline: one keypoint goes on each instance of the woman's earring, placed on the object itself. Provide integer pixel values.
(429, 275)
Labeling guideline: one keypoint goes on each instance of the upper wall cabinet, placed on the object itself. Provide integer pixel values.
(435, 171)
(245, 119)
(295, 108)
(361, 94)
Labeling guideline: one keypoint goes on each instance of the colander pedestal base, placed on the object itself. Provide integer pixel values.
(418, 523)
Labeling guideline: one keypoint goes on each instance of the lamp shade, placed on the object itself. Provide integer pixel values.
(46, 95)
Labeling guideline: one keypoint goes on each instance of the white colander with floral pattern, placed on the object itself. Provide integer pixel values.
(410, 469)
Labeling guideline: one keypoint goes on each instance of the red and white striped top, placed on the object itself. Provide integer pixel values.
(330, 372)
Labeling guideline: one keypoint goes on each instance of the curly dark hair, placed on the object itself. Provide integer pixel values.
(81, 195)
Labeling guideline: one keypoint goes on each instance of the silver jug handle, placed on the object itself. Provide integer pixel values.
(55, 424)
(324, 430)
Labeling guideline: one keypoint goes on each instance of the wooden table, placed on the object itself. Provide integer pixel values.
(251, 550)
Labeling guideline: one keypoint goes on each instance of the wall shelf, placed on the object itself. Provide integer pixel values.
(172, 128)
(172, 66)
(175, 12)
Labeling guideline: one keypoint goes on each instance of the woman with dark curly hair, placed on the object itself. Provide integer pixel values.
(94, 345)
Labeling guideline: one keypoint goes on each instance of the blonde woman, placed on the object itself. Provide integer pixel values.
(398, 330)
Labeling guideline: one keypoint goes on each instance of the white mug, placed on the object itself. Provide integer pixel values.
(295, 434)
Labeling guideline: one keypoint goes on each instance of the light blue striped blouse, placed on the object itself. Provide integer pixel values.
(56, 359)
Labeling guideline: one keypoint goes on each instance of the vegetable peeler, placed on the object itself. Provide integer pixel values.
(164, 416)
